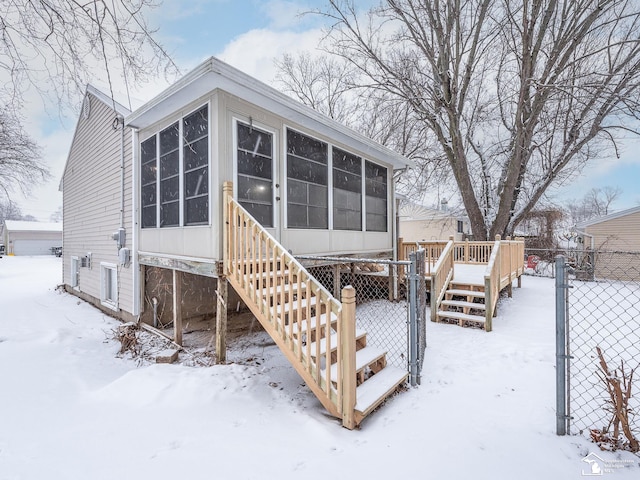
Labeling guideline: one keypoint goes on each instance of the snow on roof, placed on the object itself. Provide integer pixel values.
(611, 216)
(23, 226)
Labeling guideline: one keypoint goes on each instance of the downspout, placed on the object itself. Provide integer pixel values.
(121, 123)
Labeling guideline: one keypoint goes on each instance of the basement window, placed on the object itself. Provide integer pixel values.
(109, 285)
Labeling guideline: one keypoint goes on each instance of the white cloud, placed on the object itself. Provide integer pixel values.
(254, 52)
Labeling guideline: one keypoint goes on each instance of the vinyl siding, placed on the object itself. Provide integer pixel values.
(91, 202)
(620, 234)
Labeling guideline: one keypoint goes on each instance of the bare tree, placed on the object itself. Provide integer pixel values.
(56, 47)
(20, 164)
(9, 211)
(334, 87)
(519, 95)
(597, 202)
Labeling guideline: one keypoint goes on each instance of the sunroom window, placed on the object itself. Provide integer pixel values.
(307, 175)
(376, 197)
(347, 190)
(174, 177)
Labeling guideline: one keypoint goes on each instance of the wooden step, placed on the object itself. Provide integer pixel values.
(461, 316)
(360, 334)
(460, 303)
(377, 388)
(277, 290)
(364, 357)
(465, 293)
(294, 305)
(313, 321)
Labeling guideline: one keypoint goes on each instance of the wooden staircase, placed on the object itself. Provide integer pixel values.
(463, 304)
(315, 331)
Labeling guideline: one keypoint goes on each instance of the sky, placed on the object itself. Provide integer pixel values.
(250, 35)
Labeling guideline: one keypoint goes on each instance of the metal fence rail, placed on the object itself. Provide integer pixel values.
(599, 304)
(390, 295)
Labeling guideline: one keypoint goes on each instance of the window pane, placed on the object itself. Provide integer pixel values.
(297, 192)
(255, 166)
(347, 181)
(376, 197)
(149, 216)
(148, 195)
(196, 183)
(318, 217)
(376, 223)
(169, 189)
(196, 210)
(261, 212)
(169, 139)
(347, 162)
(302, 146)
(148, 175)
(170, 214)
(196, 125)
(301, 169)
(317, 196)
(254, 190)
(148, 151)
(169, 165)
(376, 205)
(297, 216)
(196, 154)
(253, 141)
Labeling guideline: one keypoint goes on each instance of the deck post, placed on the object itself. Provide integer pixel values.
(177, 307)
(466, 251)
(221, 319)
(348, 335)
(227, 191)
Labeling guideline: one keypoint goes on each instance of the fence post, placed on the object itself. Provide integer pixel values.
(561, 354)
(413, 320)
(348, 334)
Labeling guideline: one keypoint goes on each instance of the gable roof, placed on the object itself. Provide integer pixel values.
(120, 110)
(214, 74)
(611, 216)
(24, 226)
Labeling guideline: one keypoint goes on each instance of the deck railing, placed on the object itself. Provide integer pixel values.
(441, 275)
(281, 294)
(504, 260)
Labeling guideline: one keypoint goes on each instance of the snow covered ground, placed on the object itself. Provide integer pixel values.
(71, 409)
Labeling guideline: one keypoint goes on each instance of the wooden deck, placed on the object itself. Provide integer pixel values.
(465, 278)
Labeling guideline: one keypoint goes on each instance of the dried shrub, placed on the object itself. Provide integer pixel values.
(127, 335)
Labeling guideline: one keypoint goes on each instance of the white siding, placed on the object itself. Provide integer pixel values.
(91, 202)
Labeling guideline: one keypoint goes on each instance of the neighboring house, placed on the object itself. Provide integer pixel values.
(617, 232)
(97, 203)
(319, 188)
(30, 238)
(421, 224)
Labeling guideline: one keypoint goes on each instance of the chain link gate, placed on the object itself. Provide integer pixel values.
(390, 303)
(598, 348)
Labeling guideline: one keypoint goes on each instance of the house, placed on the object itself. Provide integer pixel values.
(152, 202)
(98, 209)
(610, 236)
(30, 238)
(420, 224)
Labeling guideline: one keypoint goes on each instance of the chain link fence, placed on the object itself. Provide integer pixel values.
(598, 301)
(383, 302)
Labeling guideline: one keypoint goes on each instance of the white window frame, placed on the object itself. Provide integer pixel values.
(75, 273)
(109, 278)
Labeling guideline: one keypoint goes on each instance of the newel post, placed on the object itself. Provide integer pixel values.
(227, 192)
(348, 335)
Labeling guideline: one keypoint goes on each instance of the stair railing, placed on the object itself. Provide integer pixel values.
(280, 292)
(492, 288)
(441, 275)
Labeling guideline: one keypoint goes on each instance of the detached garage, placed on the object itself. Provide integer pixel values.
(30, 238)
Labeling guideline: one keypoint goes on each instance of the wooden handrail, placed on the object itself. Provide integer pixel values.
(255, 263)
(441, 275)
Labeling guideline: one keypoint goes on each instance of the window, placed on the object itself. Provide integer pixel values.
(170, 176)
(347, 191)
(148, 181)
(174, 175)
(255, 172)
(376, 197)
(75, 272)
(460, 226)
(196, 167)
(109, 285)
(307, 175)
